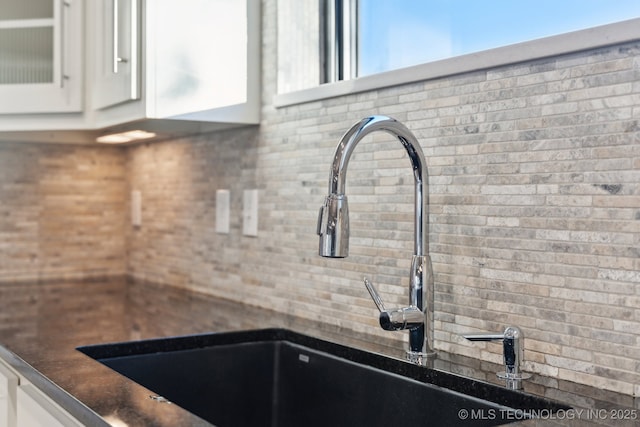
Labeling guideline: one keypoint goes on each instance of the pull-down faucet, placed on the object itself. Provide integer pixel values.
(333, 229)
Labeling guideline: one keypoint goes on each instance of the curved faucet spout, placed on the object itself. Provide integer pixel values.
(337, 227)
(333, 220)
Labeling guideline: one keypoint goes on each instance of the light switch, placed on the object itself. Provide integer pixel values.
(250, 213)
(136, 208)
(222, 211)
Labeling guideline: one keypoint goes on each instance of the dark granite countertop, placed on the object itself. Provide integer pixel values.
(41, 324)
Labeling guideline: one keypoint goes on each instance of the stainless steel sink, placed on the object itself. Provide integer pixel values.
(279, 378)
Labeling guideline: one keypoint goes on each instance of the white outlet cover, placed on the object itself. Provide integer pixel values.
(136, 208)
(250, 213)
(222, 211)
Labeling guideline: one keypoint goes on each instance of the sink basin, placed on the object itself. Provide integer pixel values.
(278, 378)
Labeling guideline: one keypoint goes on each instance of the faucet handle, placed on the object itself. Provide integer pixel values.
(397, 319)
(374, 295)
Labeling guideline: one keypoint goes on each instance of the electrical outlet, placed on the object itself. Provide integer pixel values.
(250, 213)
(136, 208)
(222, 211)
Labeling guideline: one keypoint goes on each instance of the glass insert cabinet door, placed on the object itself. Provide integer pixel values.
(40, 56)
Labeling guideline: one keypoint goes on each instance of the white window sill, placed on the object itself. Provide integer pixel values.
(619, 32)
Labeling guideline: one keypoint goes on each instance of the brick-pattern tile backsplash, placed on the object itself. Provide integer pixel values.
(534, 200)
(534, 209)
(61, 211)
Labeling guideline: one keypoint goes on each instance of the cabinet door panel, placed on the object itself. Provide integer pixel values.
(8, 385)
(35, 410)
(116, 46)
(41, 57)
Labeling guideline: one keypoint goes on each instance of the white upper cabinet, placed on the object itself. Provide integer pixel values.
(160, 65)
(41, 56)
(196, 60)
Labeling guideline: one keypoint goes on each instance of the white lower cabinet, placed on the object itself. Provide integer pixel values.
(23, 405)
(8, 388)
(34, 409)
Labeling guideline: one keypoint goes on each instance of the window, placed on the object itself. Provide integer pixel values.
(364, 45)
(365, 37)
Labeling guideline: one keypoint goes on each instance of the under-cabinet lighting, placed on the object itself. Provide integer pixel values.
(121, 138)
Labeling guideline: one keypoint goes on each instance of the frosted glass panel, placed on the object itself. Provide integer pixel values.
(298, 45)
(26, 9)
(205, 55)
(26, 55)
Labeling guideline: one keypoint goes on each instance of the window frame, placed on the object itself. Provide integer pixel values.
(571, 42)
(339, 21)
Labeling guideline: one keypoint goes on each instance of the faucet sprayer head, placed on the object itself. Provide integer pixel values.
(333, 226)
